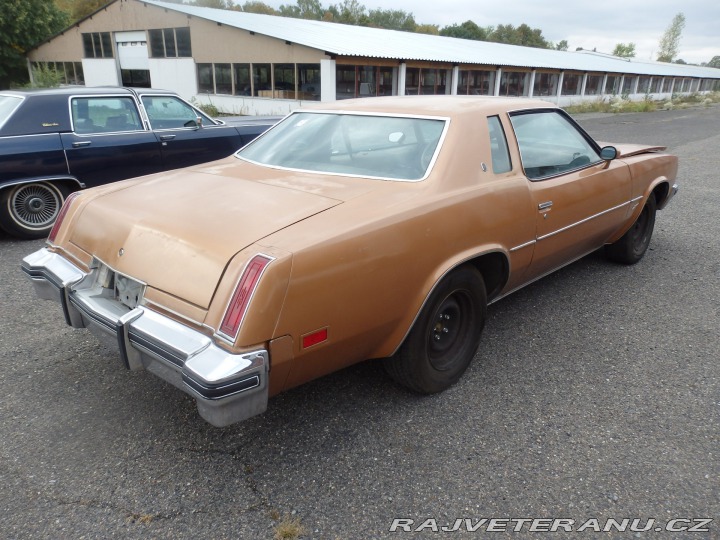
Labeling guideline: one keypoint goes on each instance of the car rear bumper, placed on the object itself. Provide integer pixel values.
(227, 387)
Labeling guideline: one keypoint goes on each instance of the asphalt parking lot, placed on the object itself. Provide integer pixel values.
(595, 395)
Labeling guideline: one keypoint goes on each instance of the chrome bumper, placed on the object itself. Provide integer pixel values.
(673, 191)
(227, 387)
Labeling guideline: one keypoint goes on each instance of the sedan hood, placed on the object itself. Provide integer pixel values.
(177, 231)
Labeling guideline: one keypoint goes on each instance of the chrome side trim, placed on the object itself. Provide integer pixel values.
(226, 386)
(567, 227)
(526, 244)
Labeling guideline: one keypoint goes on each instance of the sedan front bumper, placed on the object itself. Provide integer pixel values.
(227, 387)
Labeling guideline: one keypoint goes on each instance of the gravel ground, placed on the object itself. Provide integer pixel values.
(595, 394)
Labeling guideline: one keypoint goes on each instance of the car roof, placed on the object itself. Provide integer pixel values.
(432, 105)
(86, 90)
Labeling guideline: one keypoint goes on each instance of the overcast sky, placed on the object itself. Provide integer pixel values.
(583, 23)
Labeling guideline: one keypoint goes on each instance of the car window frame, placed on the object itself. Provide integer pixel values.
(503, 135)
(198, 112)
(130, 97)
(11, 113)
(552, 110)
(447, 120)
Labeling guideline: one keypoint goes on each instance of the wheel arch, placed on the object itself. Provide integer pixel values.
(70, 182)
(492, 264)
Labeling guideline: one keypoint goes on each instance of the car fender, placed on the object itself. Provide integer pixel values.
(471, 256)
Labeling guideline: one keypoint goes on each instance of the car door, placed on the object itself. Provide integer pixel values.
(108, 141)
(580, 199)
(185, 141)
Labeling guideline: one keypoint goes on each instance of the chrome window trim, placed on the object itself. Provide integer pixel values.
(88, 96)
(445, 119)
(201, 113)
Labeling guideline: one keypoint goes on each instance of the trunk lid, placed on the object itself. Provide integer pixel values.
(177, 237)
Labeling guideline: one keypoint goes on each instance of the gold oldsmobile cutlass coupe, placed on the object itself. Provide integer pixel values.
(376, 228)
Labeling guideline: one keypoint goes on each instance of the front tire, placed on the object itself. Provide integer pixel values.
(634, 243)
(28, 211)
(445, 337)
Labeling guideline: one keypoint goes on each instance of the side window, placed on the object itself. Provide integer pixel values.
(550, 144)
(169, 112)
(105, 115)
(498, 146)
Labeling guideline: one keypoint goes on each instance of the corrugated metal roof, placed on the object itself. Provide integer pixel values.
(347, 40)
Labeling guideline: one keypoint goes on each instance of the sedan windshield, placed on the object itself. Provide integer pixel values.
(385, 147)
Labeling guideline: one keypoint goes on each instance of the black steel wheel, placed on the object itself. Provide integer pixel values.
(29, 211)
(634, 243)
(446, 335)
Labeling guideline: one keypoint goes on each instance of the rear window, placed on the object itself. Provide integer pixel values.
(8, 104)
(372, 146)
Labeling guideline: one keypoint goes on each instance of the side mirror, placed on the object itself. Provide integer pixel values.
(608, 153)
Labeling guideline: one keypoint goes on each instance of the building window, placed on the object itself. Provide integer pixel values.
(309, 81)
(262, 82)
(423, 81)
(593, 86)
(656, 85)
(284, 80)
(571, 85)
(628, 84)
(223, 79)
(205, 78)
(643, 85)
(241, 78)
(97, 45)
(546, 84)
(170, 43)
(476, 83)
(362, 81)
(612, 85)
(513, 83)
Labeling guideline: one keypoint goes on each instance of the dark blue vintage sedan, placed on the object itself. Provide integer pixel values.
(54, 142)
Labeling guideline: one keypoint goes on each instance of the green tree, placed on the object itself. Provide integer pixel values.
(561, 45)
(432, 29)
(392, 19)
(670, 41)
(624, 50)
(522, 35)
(350, 12)
(258, 7)
(466, 30)
(23, 24)
(79, 9)
(304, 9)
(715, 62)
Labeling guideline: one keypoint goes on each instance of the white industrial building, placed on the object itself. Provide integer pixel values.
(245, 63)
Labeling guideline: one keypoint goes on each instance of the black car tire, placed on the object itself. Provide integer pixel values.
(28, 211)
(634, 243)
(445, 337)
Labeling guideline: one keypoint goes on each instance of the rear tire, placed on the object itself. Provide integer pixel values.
(634, 243)
(445, 337)
(28, 211)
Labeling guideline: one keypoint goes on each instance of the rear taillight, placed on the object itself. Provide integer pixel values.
(235, 312)
(61, 216)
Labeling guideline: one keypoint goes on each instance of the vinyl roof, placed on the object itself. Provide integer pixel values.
(361, 41)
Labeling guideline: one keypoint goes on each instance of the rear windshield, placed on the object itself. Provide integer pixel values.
(372, 146)
(8, 104)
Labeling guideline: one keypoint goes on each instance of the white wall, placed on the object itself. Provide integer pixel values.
(100, 72)
(174, 74)
(243, 105)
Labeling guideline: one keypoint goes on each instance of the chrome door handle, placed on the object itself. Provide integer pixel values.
(167, 137)
(80, 144)
(544, 205)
